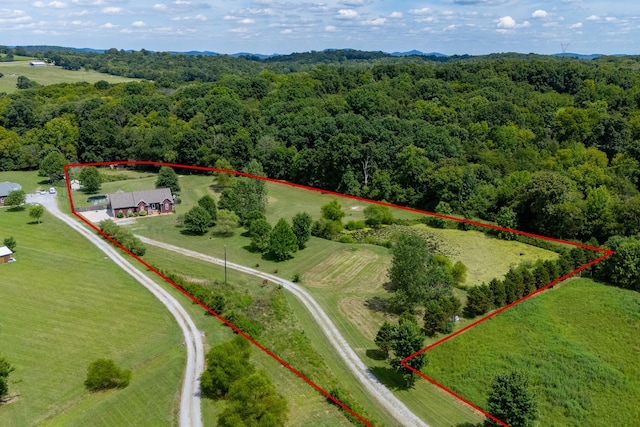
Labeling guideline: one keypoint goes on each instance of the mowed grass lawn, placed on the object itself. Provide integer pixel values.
(579, 343)
(49, 75)
(63, 305)
(345, 278)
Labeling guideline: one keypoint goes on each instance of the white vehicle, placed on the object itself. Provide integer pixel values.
(52, 190)
(43, 192)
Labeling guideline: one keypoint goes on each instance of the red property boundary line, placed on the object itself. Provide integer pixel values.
(606, 253)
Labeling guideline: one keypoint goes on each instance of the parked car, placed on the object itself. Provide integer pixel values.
(43, 192)
(52, 190)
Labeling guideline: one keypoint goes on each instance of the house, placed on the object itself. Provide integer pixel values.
(75, 184)
(38, 64)
(6, 188)
(5, 255)
(159, 201)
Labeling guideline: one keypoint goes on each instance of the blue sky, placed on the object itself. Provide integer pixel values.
(272, 26)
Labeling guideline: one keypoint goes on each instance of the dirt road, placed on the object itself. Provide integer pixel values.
(190, 412)
(388, 400)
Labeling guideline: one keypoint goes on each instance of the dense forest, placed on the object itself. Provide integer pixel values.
(549, 145)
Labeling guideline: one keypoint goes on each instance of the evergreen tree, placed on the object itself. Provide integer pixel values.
(384, 336)
(208, 203)
(197, 220)
(5, 370)
(283, 242)
(511, 401)
(167, 178)
(260, 233)
(301, 226)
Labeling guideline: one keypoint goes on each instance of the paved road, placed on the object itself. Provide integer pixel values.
(190, 412)
(382, 394)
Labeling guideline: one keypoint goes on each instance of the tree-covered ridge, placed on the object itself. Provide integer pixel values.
(546, 144)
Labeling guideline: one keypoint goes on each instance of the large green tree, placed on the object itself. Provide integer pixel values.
(260, 233)
(283, 242)
(208, 203)
(301, 226)
(226, 363)
(623, 267)
(253, 401)
(227, 221)
(52, 166)
(407, 339)
(415, 276)
(167, 178)
(197, 220)
(90, 178)
(510, 401)
(15, 199)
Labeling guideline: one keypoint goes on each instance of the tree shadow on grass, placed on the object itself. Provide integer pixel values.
(16, 208)
(378, 304)
(187, 232)
(389, 377)
(34, 223)
(251, 249)
(375, 354)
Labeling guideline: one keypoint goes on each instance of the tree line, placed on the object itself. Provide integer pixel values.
(539, 144)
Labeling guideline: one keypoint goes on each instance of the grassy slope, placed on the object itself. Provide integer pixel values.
(342, 277)
(578, 342)
(49, 75)
(63, 305)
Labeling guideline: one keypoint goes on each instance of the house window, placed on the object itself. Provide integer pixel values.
(166, 207)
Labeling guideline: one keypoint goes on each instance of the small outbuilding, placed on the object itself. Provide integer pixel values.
(38, 64)
(6, 188)
(75, 184)
(5, 255)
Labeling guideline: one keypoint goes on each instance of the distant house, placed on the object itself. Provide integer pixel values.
(38, 64)
(6, 188)
(75, 184)
(159, 201)
(5, 255)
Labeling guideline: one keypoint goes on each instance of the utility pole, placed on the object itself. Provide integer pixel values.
(225, 265)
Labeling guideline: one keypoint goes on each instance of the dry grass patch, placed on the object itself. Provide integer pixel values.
(362, 317)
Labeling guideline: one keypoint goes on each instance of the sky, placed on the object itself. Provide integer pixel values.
(270, 26)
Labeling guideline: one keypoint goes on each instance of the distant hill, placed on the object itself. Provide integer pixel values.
(418, 53)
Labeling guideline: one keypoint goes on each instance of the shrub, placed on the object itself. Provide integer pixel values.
(346, 238)
(120, 214)
(103, 374)
(296, 278)
(143, 213)
(355, 225)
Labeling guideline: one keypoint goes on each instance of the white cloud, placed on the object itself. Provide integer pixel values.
(112, 10)
(330, 28)
(593, 18)
(108, 25)
(240, 30)
(610, 19)
(375, 22)
(576, 25)
(395, 15)
(507, 24)
(88, 2)
(139, 24)
(354, 3)
(247, 21)
(422, 11)
(347, 14)
(53, 4)
(541, 14)
(287, 31)
(13, 17)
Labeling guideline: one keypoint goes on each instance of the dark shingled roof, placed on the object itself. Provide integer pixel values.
(122, 200)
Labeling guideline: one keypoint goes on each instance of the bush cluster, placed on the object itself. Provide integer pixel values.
(123, 236)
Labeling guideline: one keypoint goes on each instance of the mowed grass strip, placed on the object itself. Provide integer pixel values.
(578, 343)
(49, 75)
(63, 305)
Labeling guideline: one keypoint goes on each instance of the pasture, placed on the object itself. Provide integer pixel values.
(63, 305)
(578, 343)
(49, 75)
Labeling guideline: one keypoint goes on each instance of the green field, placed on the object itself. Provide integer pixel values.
(578, 343)
(49, 75)
(63, 305)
